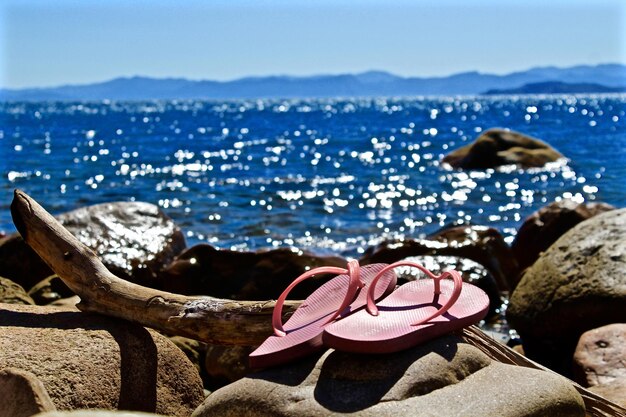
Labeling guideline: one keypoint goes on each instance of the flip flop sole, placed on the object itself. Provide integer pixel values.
(305, 327)
(392, 330)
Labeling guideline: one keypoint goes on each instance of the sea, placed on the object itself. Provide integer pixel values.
(332, 176)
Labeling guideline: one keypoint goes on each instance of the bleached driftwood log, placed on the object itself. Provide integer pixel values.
(209, 319)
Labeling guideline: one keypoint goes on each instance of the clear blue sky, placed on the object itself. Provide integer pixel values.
(45, 43)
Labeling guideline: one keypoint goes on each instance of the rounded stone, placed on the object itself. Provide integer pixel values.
(443, 377)
(88, 361)
(578, 284)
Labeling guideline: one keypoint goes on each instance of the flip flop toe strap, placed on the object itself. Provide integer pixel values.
(353, 286)
(456, 292)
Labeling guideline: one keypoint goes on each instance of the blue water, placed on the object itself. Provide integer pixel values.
(332, 176)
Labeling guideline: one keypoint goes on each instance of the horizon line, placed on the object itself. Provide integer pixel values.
(69, 84)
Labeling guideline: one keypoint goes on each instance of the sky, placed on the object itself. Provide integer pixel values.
(49, 43)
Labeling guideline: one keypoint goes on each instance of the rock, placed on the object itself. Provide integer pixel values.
(542, 228)
(484, 245)
(497, 147)
(599, 361)
(578, 284)
(22, 394)
(203, 269)
(19, 263)
(226, 364)
(12, 293)
(92, 361)
(96, 413)
(443, 377)
(195, 352)
(471, 272)
(49, 290)
(134, 241)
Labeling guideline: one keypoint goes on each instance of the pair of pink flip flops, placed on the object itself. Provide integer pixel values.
(392, 320)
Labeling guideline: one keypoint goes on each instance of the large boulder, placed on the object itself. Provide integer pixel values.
(134, 240)
(599, 361)
(542, 228)
(443, 377)
(12, 293)
(92, 361)
(263, 275)
(497, 147)
(578, 284)
(482, 244)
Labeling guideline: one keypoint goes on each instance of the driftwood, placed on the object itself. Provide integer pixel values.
(209, 319)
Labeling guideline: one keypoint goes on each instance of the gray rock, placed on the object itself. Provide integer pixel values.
(12, 293)
(578, 284)
(134, 241)
(22, 394)
(91, 361)
(443, 377)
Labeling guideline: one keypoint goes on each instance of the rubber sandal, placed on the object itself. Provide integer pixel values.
(336, 299)
(414, 313)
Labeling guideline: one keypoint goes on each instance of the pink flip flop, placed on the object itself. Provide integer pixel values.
(414, 313)
(336, 299)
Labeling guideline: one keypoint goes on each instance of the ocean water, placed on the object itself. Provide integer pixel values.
(331, 176)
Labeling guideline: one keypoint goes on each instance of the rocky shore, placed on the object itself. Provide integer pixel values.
(54, 357)
(561, 286)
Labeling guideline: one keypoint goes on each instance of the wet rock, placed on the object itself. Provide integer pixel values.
(49, 290)
(443, 377)
(497, 147)
(134, 240)
(578, 284)
(542, 228)
(203, 269)
(471, 271)
(484, 245)
(22, 394)
(12, 293)
(599, 360)
(91, 361)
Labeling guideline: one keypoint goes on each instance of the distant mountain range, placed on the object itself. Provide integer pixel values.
(557, 87)
(368, 84)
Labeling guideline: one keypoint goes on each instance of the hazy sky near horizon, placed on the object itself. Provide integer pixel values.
(74, 42)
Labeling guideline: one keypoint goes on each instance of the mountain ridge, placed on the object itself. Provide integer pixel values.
(365, 84)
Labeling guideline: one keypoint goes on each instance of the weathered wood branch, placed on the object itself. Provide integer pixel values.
(209, 319)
